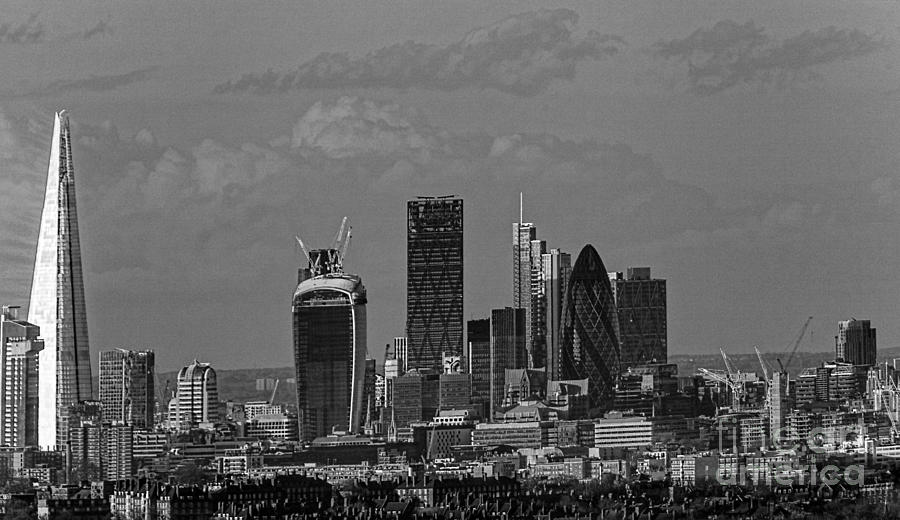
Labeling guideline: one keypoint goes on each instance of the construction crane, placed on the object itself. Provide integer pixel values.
(796, 344)
(736, 388)
(275, 389)
(764, 365)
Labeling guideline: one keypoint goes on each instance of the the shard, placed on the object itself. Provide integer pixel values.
(57, 296)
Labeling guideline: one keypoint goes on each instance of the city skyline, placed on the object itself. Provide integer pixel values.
(753, 198)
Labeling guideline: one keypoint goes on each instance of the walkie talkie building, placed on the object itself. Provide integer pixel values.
(329, 316)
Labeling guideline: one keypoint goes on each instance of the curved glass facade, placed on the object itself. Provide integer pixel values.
(590, 347)
(329, 353)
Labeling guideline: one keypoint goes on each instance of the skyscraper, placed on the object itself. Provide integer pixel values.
(855, 342)
(478, 360)
(329, 314)
(590, 347)
(57, 303)
(507, 350)
(127, 387)
(641, 307)
(556, 268)
(197, 397)
(20, 348)
(434, 280)
(528, 290)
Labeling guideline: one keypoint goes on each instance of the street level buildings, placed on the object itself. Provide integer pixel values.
(57, 302)
(434, 281)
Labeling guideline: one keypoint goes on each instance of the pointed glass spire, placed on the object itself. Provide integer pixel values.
(57, 303)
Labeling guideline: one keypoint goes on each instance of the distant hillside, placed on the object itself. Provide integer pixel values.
(240, 384)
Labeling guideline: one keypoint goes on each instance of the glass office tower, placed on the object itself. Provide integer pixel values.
(590, 347)
(434, 281)
(57, 303)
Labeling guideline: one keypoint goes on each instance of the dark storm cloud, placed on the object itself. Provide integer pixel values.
(520, 55)
(96, 83)
(730, 54)
(29, 31)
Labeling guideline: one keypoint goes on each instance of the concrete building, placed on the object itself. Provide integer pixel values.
(20, 349)
(57, 305)
(197, 397)
(273, 426)
(531, 434)
(127, 390)
(641, 308)
(434, 280)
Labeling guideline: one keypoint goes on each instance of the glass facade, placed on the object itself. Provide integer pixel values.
(57, 302)
(478, 358)
(590, 346)
(507, 350)
(556, 268)
(329, 354)
(127, 387)
(641, 307)
(434, 281)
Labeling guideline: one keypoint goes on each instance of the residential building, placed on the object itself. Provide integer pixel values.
(20, 349)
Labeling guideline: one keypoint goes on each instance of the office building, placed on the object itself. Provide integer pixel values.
(416, 397)
(507, 350)
(455, 391)
(57, 302)
(20, 349)
(434, 280)
(556, 269)
(528, 291)
(590, 346)
(127, 387)
(855, 342)
(329, 313)
(273, 426)
(196, 399)
(641, 308)
(478, 359)
(401, 353)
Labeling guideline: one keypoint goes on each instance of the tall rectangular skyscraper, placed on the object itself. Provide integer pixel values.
(57, 303)
(127, 387)
(527, 288)
(556, 268)
(641, 308)
(478, 359)
(434, 281)
(507, 350)
(19, 351)
(855, 342)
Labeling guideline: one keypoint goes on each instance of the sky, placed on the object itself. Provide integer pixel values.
(749, 152)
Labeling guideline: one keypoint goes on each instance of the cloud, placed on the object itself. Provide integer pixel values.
(103, 28)
(520, 55)
(96, 83)
(29, 31)
(730, 54)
